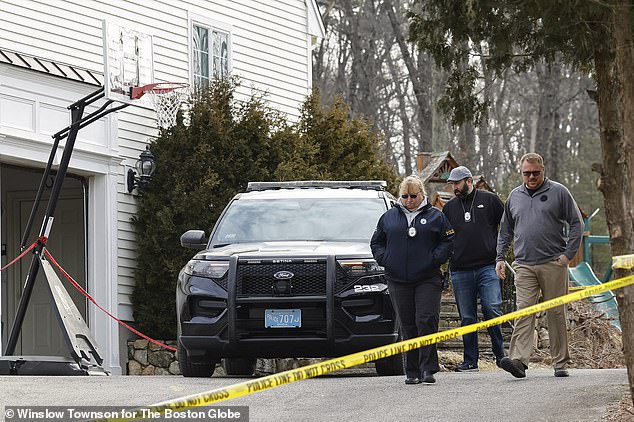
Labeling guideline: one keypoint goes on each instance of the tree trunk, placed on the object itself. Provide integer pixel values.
(501, 142)
(547, 138)
(532, 144)
(421, 91)
(425, 115)
(466, 135)
(487, 165)
(615, 89)
(318, 53)
(466, 147)
(403, 116)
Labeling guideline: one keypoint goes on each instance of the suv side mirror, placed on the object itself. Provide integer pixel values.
(194, 239)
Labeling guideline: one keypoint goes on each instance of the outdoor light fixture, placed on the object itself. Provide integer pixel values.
(145, 167)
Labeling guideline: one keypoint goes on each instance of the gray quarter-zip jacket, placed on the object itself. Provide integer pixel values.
(536, 224)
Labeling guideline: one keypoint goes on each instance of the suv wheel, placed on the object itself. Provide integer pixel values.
(392, 365)
(239, 366)
(191, 369)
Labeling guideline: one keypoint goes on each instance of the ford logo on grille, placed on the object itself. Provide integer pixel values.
(283, 275)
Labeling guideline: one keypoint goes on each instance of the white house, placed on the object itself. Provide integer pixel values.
(51, 55)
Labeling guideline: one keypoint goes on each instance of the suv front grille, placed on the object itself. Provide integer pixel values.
(342, 279)
(257, 278)
(222, 282)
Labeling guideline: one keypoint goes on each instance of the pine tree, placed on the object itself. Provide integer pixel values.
(332, 146)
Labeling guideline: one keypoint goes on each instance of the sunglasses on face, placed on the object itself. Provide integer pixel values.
(531, 173)
(411, 195)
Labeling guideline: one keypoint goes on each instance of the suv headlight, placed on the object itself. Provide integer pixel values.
(208, 269)
(360, 267)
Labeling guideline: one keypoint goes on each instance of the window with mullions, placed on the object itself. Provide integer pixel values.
(210, 54)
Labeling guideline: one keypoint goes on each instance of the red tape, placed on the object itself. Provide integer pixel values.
(82, 291)
(40, 241)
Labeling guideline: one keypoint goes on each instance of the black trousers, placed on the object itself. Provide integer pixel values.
(417, 307)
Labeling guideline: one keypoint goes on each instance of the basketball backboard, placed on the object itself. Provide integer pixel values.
(128, 62)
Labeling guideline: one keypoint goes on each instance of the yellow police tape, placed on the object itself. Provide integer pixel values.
(623, 262)
(315, 370)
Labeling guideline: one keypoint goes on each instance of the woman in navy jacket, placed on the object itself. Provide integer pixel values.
(412, 240)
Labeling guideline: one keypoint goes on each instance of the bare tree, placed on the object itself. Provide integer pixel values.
(367, 58)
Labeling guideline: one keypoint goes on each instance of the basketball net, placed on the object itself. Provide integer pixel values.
(167, 99)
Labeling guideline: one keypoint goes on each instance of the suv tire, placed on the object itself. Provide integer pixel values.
(191, 369)
(392, 365)
(239, 366)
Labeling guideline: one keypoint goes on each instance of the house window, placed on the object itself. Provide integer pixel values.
(210, 54)
(220, 56)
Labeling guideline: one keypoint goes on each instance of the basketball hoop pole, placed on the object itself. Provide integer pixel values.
(78, 121)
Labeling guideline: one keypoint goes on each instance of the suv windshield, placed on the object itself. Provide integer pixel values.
(307, 219)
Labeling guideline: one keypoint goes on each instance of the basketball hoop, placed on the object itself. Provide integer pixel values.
(166, 98)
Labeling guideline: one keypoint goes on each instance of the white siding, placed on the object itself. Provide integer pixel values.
(270, 51)
(269, 42)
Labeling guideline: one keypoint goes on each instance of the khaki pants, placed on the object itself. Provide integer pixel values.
(551, 279)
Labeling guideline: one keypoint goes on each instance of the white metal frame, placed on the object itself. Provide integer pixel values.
(212, 25)
(101, 165)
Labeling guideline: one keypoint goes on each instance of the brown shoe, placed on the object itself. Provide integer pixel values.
(513, 366)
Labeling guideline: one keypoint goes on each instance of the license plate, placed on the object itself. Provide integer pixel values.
(282, 318)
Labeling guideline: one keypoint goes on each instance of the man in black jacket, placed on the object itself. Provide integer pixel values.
(412, 240)
(475, 216)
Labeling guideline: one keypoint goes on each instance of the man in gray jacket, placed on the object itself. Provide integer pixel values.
(534, 220)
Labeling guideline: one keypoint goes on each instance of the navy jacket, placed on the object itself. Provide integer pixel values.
(412, 259)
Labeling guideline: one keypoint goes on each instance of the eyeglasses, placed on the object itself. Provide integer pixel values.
(531, 173)
(411, 195)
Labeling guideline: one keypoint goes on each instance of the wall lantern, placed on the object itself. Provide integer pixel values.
(145, 167)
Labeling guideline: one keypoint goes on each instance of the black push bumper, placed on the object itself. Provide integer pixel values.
(339, 321)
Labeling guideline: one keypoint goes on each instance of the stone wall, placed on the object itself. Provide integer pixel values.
(146, 358)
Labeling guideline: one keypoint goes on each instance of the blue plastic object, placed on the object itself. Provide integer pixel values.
(582, 275)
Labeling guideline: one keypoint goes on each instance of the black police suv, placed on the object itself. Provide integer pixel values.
(287, 272)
